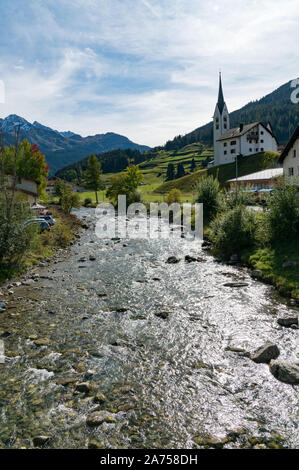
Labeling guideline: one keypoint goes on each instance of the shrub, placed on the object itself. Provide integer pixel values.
(238, 198)
(283, 216)
(234, 231)
(70, 200)
(174, 196)
(87, 202)
(16, 230)
(210, 195)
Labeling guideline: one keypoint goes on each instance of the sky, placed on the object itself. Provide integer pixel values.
(146, 69)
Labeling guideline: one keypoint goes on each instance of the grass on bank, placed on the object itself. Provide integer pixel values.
(270, 261)
(45, 245)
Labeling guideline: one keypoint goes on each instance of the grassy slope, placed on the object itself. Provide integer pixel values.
(270, 260)
(247, 165)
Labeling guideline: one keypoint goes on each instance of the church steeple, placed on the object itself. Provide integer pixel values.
(221, 125)
(221, 101)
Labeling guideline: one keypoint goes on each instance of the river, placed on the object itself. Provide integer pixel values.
(175, 382)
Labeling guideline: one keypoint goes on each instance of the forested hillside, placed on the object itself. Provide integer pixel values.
(275, 107)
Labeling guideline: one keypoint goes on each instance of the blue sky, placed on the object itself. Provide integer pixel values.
(147, 69)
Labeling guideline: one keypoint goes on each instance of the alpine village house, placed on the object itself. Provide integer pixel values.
(243, 140)
(290, 159)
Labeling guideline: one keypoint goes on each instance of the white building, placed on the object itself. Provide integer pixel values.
(243, 140)
(290, 159)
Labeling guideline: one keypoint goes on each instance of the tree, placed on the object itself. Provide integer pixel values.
(126, 184)
(170, 175)
(93, 175)
(193, 166)
(70, 200)
(16, 230)
(180, 171)
(26, 160)
(174, 196)
(210, 195)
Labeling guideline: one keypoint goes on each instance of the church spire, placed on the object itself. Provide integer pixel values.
(221, 101)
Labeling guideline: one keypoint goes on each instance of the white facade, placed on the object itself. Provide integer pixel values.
(291, 162)
(256, 139)
(244, 140)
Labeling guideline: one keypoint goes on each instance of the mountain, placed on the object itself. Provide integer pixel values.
(63, 148)
(275, 107)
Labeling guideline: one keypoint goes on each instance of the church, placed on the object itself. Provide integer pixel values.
(247, 139)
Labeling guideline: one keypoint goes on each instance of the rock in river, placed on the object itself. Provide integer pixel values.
(40, 440)
(288, 321)
(173, 260)
(286, 372)
(265, 354)
(96, 419)
(83, 387)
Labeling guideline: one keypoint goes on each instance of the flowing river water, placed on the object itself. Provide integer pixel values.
(177, 382)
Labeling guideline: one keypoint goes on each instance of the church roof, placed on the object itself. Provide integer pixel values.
(237, 132)
(221, 101)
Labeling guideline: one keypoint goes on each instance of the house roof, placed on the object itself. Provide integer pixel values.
(260, 175)
(236, 132)
(289, 145)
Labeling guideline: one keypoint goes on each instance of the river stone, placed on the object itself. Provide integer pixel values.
(236, 284)
(98, 418)
(93, 444)
(100, 398)
(163, 315)
(67, 381)
(173, 260)
(41, 342)
(40, 440)
(265, 354)
(288, 321)
(286, 372)
(83, 387)
(211, 442)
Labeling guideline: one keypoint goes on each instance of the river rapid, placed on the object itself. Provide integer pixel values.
(166, 346)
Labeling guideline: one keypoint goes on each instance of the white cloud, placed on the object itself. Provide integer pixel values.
(147, 69)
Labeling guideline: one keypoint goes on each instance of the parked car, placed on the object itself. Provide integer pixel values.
(41, 224)
(49, 219)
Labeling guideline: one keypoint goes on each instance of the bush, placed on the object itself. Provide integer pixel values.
(283, 216)
(174, 196)
(87, 202)
(70, 200)
(234, 231)
(238, 198)
(210, 195)
(16, 231)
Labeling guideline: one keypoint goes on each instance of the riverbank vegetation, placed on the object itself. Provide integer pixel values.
(266, 241)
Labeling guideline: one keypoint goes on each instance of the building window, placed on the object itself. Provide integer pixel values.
(217, 126)
(262, 132)
(250, 150)
(291, 171)
(225, 144)
(262, 141)
(225, 126)
(262, 149)
(233, 151)
(233, 142)
(256, 150)
(295, 154)
(225, 152)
